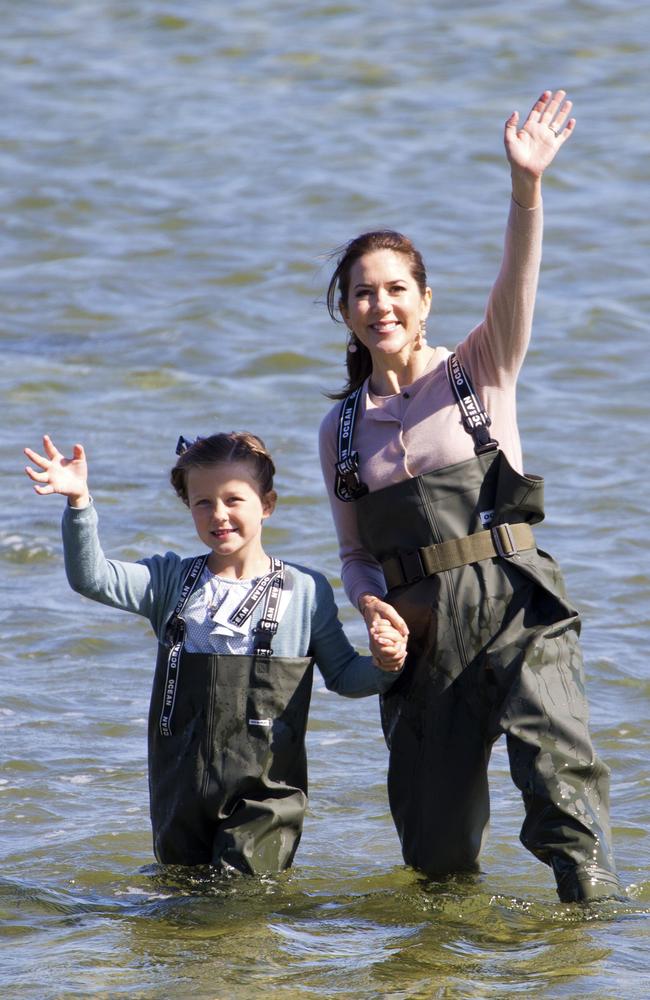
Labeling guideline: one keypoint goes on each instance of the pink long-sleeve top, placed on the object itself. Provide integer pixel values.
(419, 429)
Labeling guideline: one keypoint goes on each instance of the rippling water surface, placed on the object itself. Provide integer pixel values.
(174, 175)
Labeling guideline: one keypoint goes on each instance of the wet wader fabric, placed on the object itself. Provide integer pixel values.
(493, 649)
(227, 761)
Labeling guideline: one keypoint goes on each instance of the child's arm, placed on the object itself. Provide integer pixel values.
(140, 587)
(344, 670)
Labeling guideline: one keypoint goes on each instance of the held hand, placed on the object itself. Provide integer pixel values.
(532, 147)
(67, 476)
(387, 632)
(387, 645)
(373, 608)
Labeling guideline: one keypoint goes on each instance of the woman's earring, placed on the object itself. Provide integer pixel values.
(423, 334)
(352, 344)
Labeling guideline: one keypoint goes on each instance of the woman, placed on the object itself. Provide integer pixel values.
(423, 464)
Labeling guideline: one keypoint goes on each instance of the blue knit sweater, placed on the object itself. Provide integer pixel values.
(151, 588)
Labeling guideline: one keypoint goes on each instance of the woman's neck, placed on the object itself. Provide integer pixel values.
(390, 373)
(246, 566)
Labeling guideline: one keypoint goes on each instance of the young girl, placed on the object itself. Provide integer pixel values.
(238, 633)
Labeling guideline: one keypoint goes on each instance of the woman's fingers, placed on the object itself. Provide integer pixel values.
(374, 609)
(390, 614)
(551, 110)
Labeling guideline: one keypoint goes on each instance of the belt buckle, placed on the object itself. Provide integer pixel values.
(412, 565)
(502, 536)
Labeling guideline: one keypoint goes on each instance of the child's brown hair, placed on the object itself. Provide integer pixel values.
(219, 449)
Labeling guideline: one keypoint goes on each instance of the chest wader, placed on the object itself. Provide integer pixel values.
(227, 760)
(493, 649)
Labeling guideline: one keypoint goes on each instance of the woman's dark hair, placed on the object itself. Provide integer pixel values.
(359, 363)
(219, 449)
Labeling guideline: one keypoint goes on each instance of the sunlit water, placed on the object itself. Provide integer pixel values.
(174, 175)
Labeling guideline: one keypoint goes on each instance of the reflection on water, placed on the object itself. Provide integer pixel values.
(392, 934)
(175, 177)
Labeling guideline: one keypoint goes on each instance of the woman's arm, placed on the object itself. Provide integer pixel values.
(360, 572)
(494, 351)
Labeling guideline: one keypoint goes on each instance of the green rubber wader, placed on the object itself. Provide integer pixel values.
(228, 787)
(493, 649)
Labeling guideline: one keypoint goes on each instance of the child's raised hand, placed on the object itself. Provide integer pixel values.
(67, 476)
(387, 645)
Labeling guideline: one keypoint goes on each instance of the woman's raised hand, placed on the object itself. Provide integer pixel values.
(67, 476)
(532, 147)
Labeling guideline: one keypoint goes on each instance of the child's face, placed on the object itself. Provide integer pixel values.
(228, 510)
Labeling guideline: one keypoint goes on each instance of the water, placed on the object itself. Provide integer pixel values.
(174, 175)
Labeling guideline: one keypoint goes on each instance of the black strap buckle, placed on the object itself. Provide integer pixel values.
(348, 473)
(484, 441)
(264, 633)
(412, 565)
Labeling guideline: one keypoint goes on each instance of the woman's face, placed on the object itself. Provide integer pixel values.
(385, 308)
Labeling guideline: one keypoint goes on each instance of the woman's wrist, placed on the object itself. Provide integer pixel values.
(367, 602)
(526, 189)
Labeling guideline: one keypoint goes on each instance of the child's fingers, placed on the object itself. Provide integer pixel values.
(37, 477)
(50, 450)
(383, 626)
(390, 659)
(398, 645)
(390, 665)
(388, 635)
(389, 642)
(35, 457)
(387, 625)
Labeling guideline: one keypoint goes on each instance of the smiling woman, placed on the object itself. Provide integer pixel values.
(381, 287)
(434, 517)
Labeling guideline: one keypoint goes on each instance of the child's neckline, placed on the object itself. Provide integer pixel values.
(243, 580)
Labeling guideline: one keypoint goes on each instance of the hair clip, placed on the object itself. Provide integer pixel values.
(183, 444)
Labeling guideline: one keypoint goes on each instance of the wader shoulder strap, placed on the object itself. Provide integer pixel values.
(475, 418)
(175, 634)
(348, 485)
(269, 587)
(190, 580)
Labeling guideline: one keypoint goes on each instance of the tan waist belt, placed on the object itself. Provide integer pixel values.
(504, 540)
